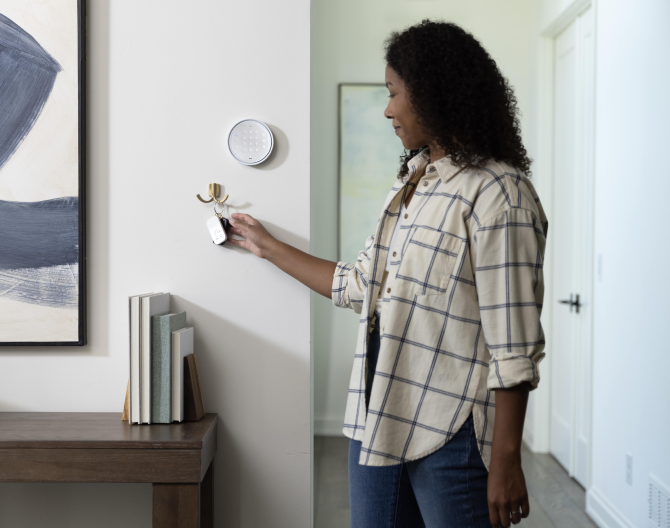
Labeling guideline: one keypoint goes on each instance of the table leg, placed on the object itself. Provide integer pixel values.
(206, 504)
(176, 506)
(183, 505)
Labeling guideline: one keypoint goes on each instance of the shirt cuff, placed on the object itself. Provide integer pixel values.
(514, 370)
(340, 293)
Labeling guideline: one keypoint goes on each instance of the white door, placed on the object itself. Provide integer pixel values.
(572, 247)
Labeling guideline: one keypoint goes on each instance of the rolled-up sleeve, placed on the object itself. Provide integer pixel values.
(350, 281)
(508, 255)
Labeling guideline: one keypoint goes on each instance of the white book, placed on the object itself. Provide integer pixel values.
(134, 374)
(182, 346)
(154, 304)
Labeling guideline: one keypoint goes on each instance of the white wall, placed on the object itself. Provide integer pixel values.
(631, 312)
(166, 80)
(631, 352)
(348, 47)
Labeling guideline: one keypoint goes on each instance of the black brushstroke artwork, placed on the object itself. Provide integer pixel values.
(39, 251)
(39, 234)
(27, 75)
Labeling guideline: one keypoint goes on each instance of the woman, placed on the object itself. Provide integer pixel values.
(449, 289)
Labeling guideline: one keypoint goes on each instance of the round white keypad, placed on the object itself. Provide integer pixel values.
(250, 142)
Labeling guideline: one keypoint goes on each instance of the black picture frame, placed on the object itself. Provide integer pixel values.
(81, 107)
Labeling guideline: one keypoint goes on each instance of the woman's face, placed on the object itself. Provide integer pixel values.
(400, 111)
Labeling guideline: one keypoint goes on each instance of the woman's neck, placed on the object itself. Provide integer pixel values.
(436, 152)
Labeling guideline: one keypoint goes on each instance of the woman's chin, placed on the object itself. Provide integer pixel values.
(411, 145)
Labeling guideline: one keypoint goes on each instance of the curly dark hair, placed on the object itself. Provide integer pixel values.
(458, 94)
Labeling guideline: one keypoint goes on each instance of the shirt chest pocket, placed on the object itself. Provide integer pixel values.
(428, 260)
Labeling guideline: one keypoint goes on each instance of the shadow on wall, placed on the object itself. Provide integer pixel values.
(279, 152)
(250, 424)
(75, 505)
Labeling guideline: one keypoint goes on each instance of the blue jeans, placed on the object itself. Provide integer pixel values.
(442, 490)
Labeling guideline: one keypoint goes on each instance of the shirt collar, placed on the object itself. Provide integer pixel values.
(442, 168)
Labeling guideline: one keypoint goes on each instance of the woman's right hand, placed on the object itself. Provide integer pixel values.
(313, 272)
(257, 239)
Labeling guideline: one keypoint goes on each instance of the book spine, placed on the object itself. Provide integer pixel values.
(161, 385)
(140, 371)
(130, 360)
(177, 347)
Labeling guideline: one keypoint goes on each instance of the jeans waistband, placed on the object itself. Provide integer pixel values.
(374, 321)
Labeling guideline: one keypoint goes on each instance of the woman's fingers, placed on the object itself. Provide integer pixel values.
(241, 228)
(499, 515)
(505, 516)
(525, 506)
(258, 240)
(519, 510)
(494, 516)
(238, 223)
(244, 217)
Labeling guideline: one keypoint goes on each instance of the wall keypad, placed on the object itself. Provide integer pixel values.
(250, 142)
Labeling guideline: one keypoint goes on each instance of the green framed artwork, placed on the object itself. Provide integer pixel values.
(369, 159)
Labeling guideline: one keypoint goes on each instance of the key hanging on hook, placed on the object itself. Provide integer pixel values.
(218, 225)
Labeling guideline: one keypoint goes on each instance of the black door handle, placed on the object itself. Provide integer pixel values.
(572, 302)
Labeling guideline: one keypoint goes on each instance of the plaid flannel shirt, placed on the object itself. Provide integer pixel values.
(461, 308)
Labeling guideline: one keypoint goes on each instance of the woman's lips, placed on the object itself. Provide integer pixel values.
(396, 129)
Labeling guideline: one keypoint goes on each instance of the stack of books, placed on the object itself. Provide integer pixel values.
(161, 348)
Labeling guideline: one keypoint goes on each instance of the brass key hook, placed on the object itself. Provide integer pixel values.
(214, 190)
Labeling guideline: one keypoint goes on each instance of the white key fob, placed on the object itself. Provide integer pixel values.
(217, 229)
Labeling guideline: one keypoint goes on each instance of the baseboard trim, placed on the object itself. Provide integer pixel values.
(328, 424)
(603, 513)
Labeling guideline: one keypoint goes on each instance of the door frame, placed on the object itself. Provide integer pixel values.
(537, 434)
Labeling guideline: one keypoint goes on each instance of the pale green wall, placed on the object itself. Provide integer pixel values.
(347, 46)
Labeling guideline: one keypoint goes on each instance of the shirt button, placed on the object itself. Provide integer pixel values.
(425, 183)
(388, 290)
(394, 253)
(406, 215)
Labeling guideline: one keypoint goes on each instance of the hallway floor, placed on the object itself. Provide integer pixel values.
(556, 500)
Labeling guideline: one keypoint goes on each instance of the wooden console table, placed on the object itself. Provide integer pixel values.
(99, 447)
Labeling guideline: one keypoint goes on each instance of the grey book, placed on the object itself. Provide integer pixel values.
(150, 305)
(162, 327)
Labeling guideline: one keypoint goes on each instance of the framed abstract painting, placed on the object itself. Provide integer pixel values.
(369, 160)
(42, 163)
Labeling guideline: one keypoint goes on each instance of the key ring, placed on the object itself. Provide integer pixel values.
(217, 213)
(224, 207)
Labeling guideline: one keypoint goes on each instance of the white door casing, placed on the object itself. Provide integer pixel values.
(570, 344)
(564, 228)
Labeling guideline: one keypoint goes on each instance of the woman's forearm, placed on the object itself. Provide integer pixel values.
(510, 414)
(313, 272)
(507, 492)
